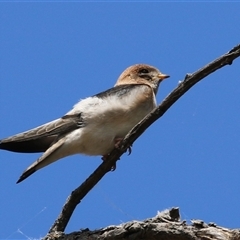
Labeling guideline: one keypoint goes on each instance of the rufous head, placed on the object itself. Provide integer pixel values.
(142, 74)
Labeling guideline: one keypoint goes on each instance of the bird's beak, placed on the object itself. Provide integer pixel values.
(162, 76)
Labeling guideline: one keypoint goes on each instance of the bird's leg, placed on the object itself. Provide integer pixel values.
(117, 141)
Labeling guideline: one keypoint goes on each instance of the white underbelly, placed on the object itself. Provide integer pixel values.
(109, 118)
(98, 137)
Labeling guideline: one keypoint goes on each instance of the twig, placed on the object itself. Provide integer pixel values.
(191, 79)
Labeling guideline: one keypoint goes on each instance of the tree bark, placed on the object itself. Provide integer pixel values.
(165, 226)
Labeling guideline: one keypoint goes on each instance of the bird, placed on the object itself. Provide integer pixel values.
(96, 124)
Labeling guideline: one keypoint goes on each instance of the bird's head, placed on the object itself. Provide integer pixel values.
(142, 74)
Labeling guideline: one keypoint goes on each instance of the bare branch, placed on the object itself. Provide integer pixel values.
(191, 79)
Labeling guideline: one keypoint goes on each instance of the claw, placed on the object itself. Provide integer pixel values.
(129, 149)
(117, 142)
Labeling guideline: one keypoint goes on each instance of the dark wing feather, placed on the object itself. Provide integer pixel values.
(119, 90)
(41, 138)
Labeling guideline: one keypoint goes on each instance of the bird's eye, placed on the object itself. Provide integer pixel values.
(144, 70)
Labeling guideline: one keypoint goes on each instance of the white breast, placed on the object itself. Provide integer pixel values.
(108, 118)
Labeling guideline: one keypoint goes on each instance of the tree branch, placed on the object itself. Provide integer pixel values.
(190, 80)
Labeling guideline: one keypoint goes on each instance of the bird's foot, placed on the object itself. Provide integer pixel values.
(117, 143)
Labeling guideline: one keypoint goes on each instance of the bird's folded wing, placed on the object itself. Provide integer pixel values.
(41, 138)
(120, 90)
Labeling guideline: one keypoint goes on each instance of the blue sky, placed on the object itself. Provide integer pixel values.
(54, 54)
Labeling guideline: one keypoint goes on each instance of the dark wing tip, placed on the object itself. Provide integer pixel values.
(1, 145)
(28, 146)
(26, 174)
